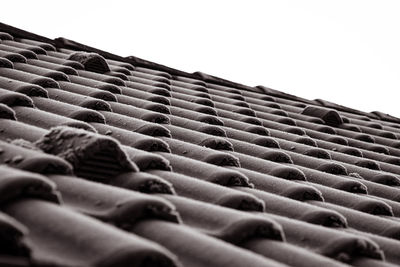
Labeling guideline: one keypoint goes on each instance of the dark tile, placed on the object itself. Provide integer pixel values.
(134, 95)
(28, 78)
(206, 171)
(60, 236)
(147, 161)
(83, 101)
(45, 46)
(148, 76)
(14, 245)
(190, 246)
(133, 139)
(154, 72)
(329, 116)
(101, 77)
(20, 184)
(224, 223)
(13, 57)
(61, 61)
(30, 47)
(91, 61)
(53, 74)
(32, 160)
(88, 91)
(14, 130)
(210, 192)
(117, 206)
(289, 254)
(358, 202)
(92, 155)
(46, 120)
(68, 110)
(144, 182)
(23, 52)
(52, 66)
(297, 210)
(244, 166)
(204, 125)
(199, 138)
(329, 242)
(96, 84)
(160, 83)
(148, 88)
(147, 123)
(6, 36)
(282, 184)
(11, 99)
(22, 87)
(366, 222)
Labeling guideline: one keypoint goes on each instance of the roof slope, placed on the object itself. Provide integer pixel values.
(112, 161)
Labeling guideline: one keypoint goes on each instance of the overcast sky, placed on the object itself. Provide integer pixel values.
(346, 52)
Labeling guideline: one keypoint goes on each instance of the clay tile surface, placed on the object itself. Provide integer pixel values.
(183, 169)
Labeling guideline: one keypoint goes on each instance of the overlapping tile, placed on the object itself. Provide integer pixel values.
(194, 170)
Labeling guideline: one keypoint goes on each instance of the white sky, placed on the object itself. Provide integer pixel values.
(344, 51)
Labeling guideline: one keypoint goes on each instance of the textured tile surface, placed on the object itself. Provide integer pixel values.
(112, 161)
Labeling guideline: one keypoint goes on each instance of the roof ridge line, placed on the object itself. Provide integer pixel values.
(328, 104)
(17, 32)
(62, 42)
(67, 43)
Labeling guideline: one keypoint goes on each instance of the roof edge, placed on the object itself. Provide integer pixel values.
(277, 93)
(136, 61)
(70, 44)
(16, 32)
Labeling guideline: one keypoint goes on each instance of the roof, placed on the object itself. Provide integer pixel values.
(118, 161)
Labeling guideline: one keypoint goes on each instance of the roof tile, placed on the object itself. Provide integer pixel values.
(63, 237)
(55, 60)
(12, 57)
(92, 154)
(289, 254)
(111, 204)
(297, 209)
(18, 184)
(43, 45)
(190, 247)
(46, 120)
(244, 166)
(34, 48)
(225, 223)
(6, 112)
(144, 182)
(15, 246)
(32, 160)
(23, 52)
(211, 193)
(146, 161)
(28, 78)
(338, 245)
